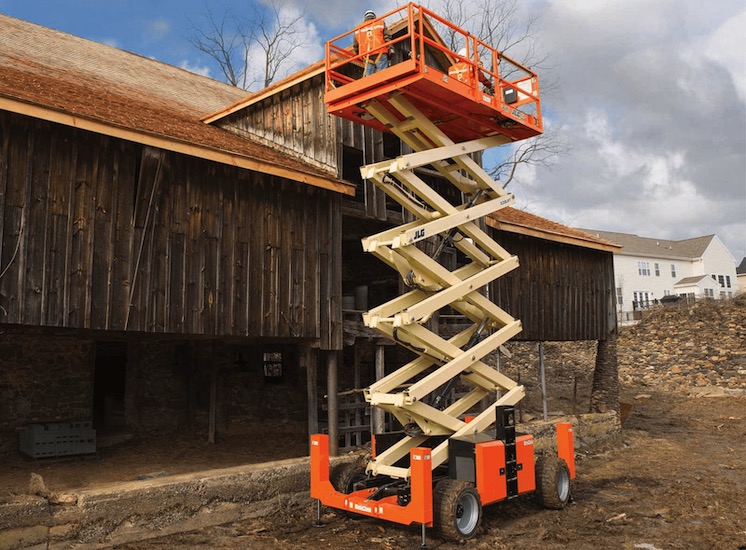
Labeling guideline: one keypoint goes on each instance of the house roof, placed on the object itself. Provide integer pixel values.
(58, 77)
(741, 269)
(634, 245)
(517, 221)
(688, 281)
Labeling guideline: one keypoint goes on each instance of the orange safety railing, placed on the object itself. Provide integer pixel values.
(418, 41)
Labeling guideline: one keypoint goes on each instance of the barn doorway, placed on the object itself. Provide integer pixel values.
(109, 380)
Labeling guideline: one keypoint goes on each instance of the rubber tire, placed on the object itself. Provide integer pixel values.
(553, 487)
(343, 478)
(457, 510)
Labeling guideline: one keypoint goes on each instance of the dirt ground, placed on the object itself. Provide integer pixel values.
(146, 458)
(676, 480)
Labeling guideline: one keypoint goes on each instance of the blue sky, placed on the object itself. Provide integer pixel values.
(650, 95)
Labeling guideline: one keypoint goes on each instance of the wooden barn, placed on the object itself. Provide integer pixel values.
(177, 255)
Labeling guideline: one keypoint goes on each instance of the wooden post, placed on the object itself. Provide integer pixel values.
(312, 376)
(358, 416)
(377, 415)
(332, 402)
(213, 397)
(543, 380)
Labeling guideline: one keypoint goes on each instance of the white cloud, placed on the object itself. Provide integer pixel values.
(196, 69)
(156, 29)
(727, 45)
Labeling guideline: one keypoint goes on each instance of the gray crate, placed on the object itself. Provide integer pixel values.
(57, 439)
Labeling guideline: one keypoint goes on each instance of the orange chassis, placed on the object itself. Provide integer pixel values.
(489, 468)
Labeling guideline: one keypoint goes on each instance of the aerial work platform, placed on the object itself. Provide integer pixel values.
(456, 450)
(419, 66)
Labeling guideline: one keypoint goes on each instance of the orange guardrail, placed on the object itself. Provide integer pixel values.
(429, 40)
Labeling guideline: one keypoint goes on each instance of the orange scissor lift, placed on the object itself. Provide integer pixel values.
(447, 462)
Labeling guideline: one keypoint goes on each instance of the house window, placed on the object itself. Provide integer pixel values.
(657, 270)
(642, 299)
(709, 293)
(273, 366)
(619, 299)
(727, 281)
(722, 295)
(643, 268)
(673, 270)
(666, 292)
(721, 280)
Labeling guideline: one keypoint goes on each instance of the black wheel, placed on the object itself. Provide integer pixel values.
(552, 482)
(344, 476)
(457, 510)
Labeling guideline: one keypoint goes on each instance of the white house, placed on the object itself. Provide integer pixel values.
(741, 275)
(646, 270)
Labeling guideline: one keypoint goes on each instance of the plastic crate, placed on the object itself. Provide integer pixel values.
(57, 439)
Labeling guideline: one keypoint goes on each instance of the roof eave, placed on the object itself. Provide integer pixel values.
(549, 235)
(170, 143)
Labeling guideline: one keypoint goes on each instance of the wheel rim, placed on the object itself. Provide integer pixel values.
(467, 513)
(563, 484)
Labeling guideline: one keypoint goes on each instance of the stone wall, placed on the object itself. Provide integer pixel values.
(43, 378)
(687, 346)
(48, 376)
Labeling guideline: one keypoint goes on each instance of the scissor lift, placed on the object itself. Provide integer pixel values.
(445, 465)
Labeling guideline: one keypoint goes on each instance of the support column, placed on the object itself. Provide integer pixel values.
(543, 379)
(605, 388)
(212, 419)
(312, 381)
(377, 415)
(332, 402)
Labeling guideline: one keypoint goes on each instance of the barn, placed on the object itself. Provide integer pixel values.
(177, 256)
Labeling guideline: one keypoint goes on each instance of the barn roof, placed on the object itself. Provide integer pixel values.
(54, 76)
(517, 221)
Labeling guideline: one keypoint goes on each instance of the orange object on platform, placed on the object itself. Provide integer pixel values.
(419, 70)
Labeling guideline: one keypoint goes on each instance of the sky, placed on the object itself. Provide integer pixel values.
(648, 95)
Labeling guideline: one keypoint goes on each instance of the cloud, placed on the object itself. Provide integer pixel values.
(196, 69)
(156, 29)
(656, 120)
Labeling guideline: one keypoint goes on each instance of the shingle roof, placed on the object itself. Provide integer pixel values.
(634, 245)
(518, 221)
(741, 269)
(70, 80)
(690, 280)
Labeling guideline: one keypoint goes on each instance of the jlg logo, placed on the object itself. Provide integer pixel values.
(419, 234)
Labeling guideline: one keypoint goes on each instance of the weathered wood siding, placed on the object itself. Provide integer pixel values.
(559, 292)
(295, 120)
(100, 233)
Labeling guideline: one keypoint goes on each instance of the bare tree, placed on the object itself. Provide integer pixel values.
(252, 49)
(499, 24)
(538, 151)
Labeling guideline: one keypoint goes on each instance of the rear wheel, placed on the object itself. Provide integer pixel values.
(343, 478)
(552, 482)
(457, 509)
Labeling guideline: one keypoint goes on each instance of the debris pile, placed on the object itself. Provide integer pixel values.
(687, 348)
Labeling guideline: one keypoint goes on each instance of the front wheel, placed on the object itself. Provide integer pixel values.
(552, 482)
(344, 477)
(457, 510)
